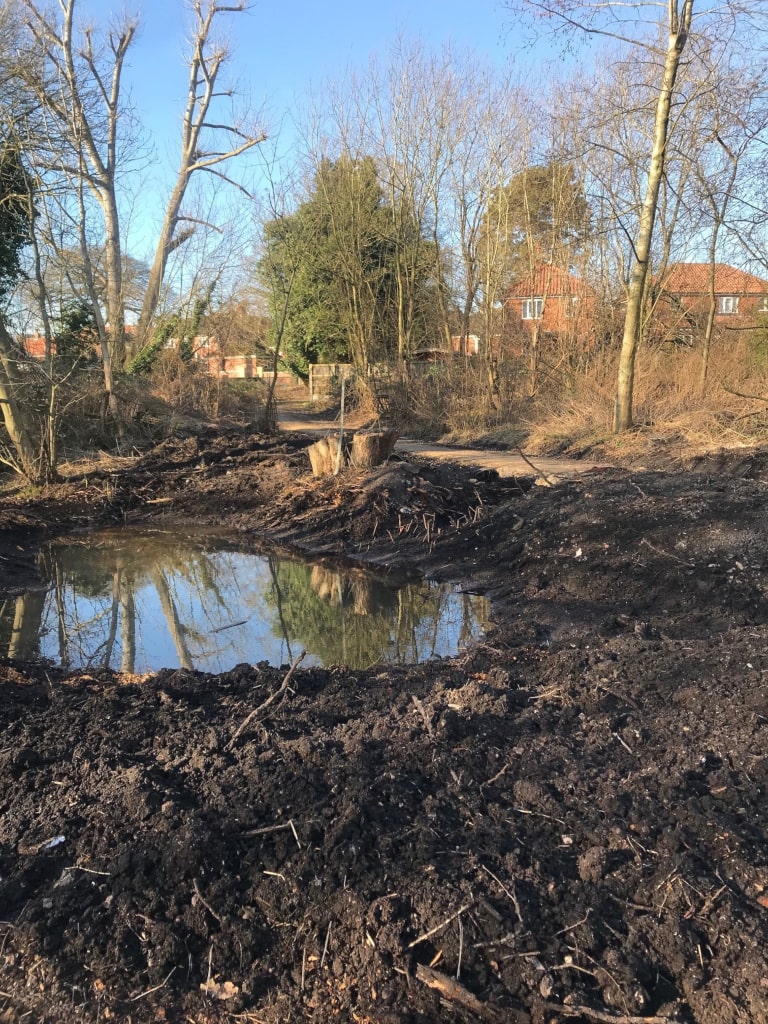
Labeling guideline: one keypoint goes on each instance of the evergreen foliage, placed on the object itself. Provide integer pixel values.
(15, 216)
(330, 267)
(174, 325)
(77, 331)
(144, 359)
(541, 215)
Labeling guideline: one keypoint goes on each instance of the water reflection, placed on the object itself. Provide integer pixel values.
(137, 601)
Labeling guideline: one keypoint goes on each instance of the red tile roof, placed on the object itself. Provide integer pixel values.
(547, 281)
(693, 279)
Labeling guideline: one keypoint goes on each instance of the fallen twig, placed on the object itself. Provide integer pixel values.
(283, 827)
(625, 745)
(454, 992)
(461, 949)
(497, 776)
(420, 708)
(439, 927)
(602, 1015)
(295, 833)
(539, 472)
(263, 706)
(149, 991)
(325, 947)
(665, 554)
(204, 902)
(512, 895)
(578, 924)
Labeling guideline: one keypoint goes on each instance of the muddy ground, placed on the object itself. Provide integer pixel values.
(567, 822)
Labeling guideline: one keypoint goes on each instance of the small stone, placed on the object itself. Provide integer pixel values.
(546, 986)
(592, 864)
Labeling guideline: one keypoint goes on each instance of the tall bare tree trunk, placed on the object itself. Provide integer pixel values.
(114, 267)
(167, 242)
(679, 26)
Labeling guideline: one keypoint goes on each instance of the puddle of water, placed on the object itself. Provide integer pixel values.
(142, 600)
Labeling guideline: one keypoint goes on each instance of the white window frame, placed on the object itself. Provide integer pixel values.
(533, 309)
(728, 305)
(763, 304)
(572, 304)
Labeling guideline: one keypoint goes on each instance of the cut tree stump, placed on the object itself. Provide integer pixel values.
(322, 457)
(372, 447)
(369, 448)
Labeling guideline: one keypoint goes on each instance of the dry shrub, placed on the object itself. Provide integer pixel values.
(185, 387)
(176, 396)
(730, 411)
(455, 397)
(577, 420)
(80, 407)
(572, 411)
(366, 398)
(189, 390)
(670, 406)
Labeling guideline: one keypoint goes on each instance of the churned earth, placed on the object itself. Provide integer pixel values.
(566, 822)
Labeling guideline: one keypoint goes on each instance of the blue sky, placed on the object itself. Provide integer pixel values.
(282, 46)
(283, 51)
(285, 48)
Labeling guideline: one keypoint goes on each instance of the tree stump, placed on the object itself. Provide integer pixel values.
(322, 457)
(372, 447)
(369, 448)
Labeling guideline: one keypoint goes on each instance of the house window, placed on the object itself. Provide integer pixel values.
(729, 305)
(533, 309)
(763, 304)
(572, 306)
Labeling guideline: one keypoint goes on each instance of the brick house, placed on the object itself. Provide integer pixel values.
(465, 344)
(682, 300)
(34, 345)
(550, 303)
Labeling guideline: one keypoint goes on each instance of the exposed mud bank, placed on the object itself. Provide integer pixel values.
(568, 822)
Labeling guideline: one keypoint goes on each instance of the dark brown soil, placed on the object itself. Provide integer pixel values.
(568, 822)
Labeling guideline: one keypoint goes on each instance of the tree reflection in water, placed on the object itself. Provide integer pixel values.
(142, 600)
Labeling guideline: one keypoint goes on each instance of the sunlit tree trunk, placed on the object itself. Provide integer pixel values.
(679, 25)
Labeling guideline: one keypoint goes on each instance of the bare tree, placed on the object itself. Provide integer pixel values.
(610, 121)
(16, 219)
(487, 110)
(736, 118)
(405, 116)
(439, 126)
(15, 420)
(661, 32)
(207, 145)
(390, 113)
(79, 86)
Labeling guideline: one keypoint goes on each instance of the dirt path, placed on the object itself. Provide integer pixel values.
(508, 464)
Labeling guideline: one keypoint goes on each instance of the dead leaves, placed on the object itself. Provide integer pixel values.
(219, 990)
